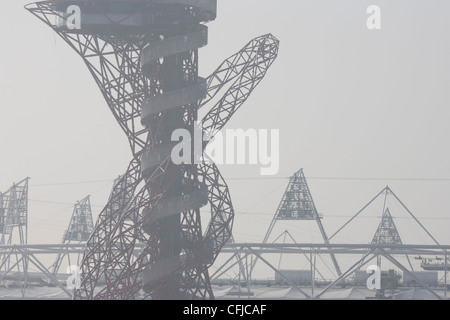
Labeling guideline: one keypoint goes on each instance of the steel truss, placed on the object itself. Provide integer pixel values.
(147, 72)
(37, 254)
(385, 243)
(369, 252)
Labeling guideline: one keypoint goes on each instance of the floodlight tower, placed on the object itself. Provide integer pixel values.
(143, 54)
(297, 204)
(14, 224)
(14, 213)
(387, 232)
(79, 229)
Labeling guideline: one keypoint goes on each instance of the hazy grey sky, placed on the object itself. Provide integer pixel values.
(349, 102)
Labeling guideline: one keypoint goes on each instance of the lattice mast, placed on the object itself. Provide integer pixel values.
(79, 230)
(297, 204)
(143, 55)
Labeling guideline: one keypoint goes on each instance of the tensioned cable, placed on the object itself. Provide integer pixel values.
(64, 209)
(347, 179)
(270, 178)
(69, 183)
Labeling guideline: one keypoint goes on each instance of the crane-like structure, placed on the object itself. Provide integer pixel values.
(143, 55)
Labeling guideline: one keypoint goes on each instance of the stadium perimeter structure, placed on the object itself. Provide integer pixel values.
(143, 55)
(28, 276)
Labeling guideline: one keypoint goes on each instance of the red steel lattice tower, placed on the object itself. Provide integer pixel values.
(143, 55)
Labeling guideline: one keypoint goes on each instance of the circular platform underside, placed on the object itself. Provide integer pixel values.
(134, 15)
